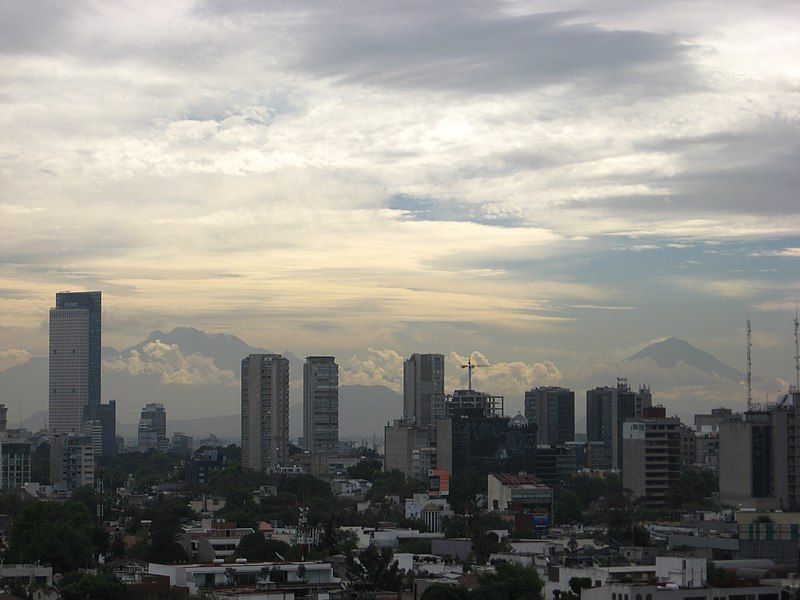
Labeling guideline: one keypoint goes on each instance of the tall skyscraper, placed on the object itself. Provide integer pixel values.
(320, 404)
(69, 372)
(607, 409)
(92, 303)
(423, 383)
(153, 428)
(265, 411)
(553, 411)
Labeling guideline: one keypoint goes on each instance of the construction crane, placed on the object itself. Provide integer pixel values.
(469, 366)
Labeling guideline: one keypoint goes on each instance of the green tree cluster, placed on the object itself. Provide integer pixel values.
(509, 581)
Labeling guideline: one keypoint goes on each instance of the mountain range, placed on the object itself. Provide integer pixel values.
(669, 353)
(196, 376)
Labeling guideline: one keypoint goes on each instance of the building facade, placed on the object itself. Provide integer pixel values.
(607, 408)
(423, 384)
(71, 461)
(652, 458)
(321, 404)
(552, 409)
(265, 411)
(77, 336)
(68, 369)
(153, 428)
(15, 464)
(758, 457)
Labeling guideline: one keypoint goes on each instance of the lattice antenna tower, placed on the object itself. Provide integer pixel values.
(749, 366)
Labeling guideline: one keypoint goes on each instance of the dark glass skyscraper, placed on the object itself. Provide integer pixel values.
(91, 302)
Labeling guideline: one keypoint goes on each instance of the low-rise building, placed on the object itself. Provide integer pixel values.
(525, 498)
(271, 580)
(214, 539)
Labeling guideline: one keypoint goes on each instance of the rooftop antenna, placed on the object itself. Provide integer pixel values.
(749, 365)
(796, 352)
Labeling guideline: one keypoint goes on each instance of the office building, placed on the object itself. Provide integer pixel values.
(107, 418)
(552, 409)
(652, 457)
(321, 404)
(758, 457)
(555, 465)
(153, 428)
(265, 411)
(69, 369)
(74, 355)
(15, 464)
(71, 461)
(423, 384)
(607, 409)
(477, 438)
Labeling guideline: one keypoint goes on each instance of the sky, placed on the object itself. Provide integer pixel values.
(552, 185)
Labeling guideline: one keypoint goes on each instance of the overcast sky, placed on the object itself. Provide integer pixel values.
(551, 184)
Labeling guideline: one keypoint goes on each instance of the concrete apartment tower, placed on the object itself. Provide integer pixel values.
(553, 411)
(321, 404)
(652, 457)
(423, 383)
(265, 411)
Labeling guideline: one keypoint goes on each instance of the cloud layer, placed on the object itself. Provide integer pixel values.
(547, 183)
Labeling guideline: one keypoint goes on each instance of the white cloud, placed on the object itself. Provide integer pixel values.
(172, 366)
(12, 357)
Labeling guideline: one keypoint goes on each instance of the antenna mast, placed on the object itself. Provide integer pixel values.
(749, 367)
(796, 353)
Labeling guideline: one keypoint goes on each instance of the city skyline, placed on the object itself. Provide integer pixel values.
(324, 193)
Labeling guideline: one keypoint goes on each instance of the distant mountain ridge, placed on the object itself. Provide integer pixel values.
(668, 353)
(213, 407)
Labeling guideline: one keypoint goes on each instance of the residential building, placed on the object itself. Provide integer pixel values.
(423, 384)
(203, 463)
(552, 409)
(15, 464)
(652, 457)
(525, 497)
(607, 409)
(321, 404)
(153, 428)
(71, 461)
(758, 457)
(279, 579)
(709, 423)
(265, 411)
(409, 448)
(707, 450)
(688, 447)
(214, 539)
(430, 509)
(181, 444)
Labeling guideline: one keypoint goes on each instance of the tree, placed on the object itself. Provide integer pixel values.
(256, 548)
(442, 591)
(366, 468)
(88, 496)
(375, 569)
(509, 580)
(60, 536)
(84, 586)
(164, 545)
